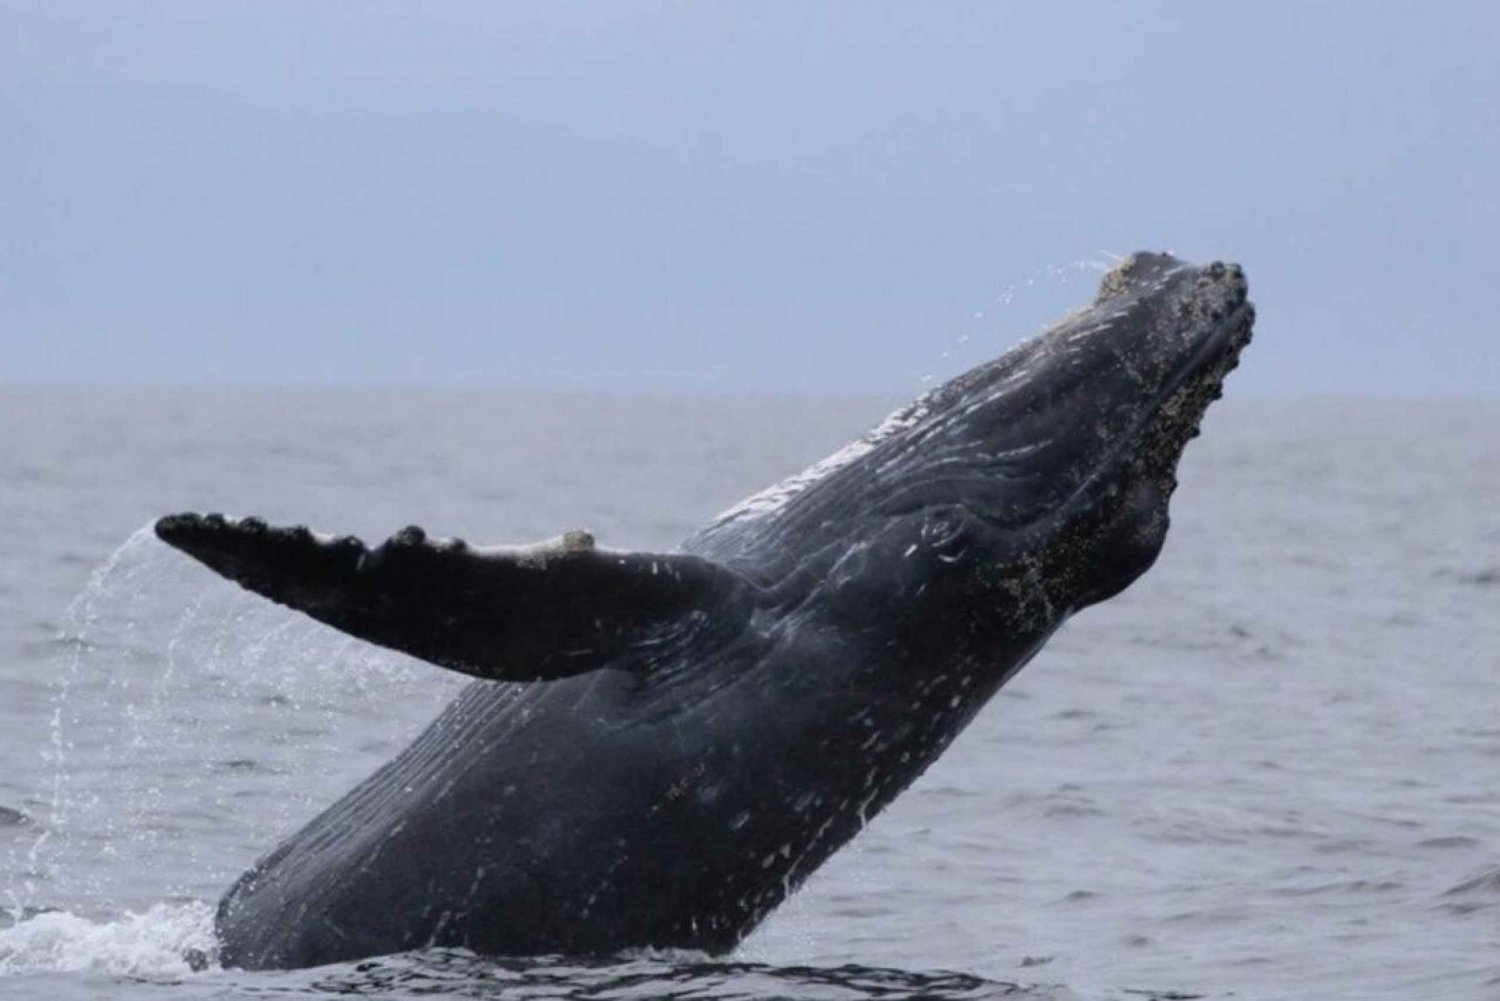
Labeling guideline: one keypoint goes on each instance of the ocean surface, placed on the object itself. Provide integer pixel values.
(1271, 769)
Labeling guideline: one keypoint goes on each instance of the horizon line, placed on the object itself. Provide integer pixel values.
(647, 391)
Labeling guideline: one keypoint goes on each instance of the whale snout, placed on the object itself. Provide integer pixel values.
(1220, 291)
(1168, 322)
(1203, 296)
(1229, 276)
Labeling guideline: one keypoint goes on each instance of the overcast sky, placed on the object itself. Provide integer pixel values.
(773, 196)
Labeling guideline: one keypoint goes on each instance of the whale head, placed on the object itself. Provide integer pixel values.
(1065, 447)
(1071, 441)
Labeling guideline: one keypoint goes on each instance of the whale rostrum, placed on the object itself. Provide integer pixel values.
(659, 747)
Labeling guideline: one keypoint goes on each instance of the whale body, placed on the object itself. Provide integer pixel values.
(659, 747)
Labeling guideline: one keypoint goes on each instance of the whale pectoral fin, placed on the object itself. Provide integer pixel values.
(506, 613)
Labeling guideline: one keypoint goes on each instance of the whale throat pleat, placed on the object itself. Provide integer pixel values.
(523, 613)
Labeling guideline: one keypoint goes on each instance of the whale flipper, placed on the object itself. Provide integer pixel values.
(511, 613)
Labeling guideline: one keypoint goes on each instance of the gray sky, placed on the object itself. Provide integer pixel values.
(711, 196)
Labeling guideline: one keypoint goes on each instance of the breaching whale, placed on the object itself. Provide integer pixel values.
(661, 746)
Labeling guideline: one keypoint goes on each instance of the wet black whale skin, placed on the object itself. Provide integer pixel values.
(661, 746)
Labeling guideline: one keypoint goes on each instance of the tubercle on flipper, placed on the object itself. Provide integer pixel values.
(577, 540)
(183, 531)
(410, 536)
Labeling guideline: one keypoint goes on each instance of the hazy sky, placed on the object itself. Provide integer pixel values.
(712, 196)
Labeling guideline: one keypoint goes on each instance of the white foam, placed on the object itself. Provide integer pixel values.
(153, 943)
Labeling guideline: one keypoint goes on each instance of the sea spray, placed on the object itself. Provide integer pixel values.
(72, 646)
(1015, 311)
(188, 712)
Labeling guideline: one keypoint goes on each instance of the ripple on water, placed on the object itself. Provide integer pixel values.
(1453, 841)
(1340, 886)
(457, 973)
(1487, 882)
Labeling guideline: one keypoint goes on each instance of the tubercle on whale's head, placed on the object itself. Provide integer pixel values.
(1083, 427)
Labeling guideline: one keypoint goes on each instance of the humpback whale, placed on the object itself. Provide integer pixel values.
(659, 747)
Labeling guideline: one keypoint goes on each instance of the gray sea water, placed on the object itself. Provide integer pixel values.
(1271, 769)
